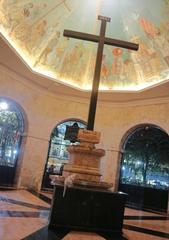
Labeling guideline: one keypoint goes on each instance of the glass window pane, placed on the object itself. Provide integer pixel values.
(11, 129)
(145, 159)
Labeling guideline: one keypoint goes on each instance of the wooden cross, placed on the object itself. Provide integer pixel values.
(101, 40)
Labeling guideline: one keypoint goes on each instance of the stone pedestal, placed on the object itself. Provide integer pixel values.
(84, 164)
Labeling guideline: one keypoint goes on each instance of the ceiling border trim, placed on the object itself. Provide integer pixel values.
(77, 99)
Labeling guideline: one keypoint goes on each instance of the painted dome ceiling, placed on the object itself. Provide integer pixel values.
(34, 28)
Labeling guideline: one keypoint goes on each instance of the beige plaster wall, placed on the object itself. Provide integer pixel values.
(43, 110)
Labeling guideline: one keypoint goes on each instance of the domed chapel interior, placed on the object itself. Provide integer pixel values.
(84, 103)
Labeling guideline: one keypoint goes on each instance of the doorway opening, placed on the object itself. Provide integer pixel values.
(11, 130)
(144, 171)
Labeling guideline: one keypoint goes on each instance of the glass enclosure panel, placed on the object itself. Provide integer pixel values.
(145, 161)
(58, 154)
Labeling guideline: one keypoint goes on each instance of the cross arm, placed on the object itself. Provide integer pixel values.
(122, 44)
(95, 38)
(80, 35)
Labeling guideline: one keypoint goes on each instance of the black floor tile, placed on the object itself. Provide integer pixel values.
(163, 218)
(146, 231)
(41, 196)
(25, 204)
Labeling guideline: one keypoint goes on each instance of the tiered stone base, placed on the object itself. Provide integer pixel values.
(82, 173)
(84, 162)
(85, 183)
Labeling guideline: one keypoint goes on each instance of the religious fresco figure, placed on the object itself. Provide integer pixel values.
(117, 65)
(41, 27)
(117, 62)
(90, 67)
(81, 61)
(57, 54)
(33, 10)
(36, 36)
(42, 59)
(70, 65)
(149, 28)
(147, 61)
(104, 70)
(27, 9)
(162, 43)
(157, 38)
(61, 48)
(65, 66)
(129, 72)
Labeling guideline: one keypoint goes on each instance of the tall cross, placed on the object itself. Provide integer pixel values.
(101, 40)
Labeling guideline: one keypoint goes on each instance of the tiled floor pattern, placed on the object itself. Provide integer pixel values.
(24, 216)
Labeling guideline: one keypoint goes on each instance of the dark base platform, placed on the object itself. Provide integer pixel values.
(87, 209)
(146, 197)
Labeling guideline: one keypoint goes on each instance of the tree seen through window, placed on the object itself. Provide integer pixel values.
(145, 160)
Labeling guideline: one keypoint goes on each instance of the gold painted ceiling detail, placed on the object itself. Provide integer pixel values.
(35, 29)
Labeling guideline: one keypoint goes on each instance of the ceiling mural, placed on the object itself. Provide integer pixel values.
(35, 29)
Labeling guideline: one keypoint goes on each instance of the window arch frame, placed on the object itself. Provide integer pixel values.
(21, 116)
(127, 136)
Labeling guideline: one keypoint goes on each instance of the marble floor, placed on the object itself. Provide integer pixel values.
(24, 216)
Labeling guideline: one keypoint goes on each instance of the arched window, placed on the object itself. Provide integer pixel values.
(145, 163)
(57, 152)
(146, 158)
(11, 129)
